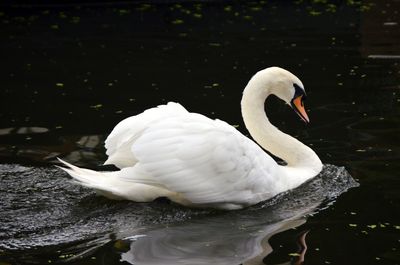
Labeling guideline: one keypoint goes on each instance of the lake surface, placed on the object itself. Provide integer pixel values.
(71, 72)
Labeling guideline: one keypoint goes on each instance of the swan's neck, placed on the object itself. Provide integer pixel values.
(297, 155)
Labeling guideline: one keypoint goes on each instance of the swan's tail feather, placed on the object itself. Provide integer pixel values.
(101, 182)
(115, 185)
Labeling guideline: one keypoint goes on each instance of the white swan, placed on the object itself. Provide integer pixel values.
(195, 161)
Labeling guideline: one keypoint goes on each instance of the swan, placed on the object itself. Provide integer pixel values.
(195, 161)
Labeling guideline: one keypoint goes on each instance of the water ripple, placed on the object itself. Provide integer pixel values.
(43, 211)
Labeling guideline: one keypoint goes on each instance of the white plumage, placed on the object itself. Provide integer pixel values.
(195, 161)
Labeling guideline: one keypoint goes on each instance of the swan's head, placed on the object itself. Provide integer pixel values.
(285, 86)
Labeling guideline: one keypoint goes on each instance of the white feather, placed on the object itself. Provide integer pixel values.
(126, 132)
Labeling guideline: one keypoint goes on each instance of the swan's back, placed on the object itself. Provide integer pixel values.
(118, 144)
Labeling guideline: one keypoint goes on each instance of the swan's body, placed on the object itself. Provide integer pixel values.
(195, 161)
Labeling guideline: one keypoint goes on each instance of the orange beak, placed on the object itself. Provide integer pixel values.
(298, 106)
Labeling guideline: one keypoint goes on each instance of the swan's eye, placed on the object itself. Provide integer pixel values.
(298, 91)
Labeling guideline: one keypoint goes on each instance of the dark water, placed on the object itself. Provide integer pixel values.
(70, 72)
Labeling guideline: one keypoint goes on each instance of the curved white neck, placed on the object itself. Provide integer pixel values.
(293, 152)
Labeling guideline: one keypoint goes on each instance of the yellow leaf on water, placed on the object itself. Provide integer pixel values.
(177, 21)
(97, 106)
(228, 8)
(215, 44)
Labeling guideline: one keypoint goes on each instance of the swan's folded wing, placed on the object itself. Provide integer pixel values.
(207, 161)
(118, 144)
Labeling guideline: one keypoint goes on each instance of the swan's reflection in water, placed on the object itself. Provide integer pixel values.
(224, 239)
(238, 237)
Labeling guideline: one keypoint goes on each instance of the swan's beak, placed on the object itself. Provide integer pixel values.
(298, 106)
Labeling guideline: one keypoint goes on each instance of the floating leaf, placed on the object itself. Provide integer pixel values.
(256, 8)
(177, 21)
(75, 20)
(144, 7)
(314, 13)
(124, 11)
(228, 8)
(98, 106)
(215, 44)
(197, 15)
(365, 8)
(331, 8)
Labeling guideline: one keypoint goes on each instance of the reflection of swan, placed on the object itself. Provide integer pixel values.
(237, 237)
(196, 161)
(214, 241)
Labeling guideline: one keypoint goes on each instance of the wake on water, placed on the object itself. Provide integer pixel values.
(42, 209)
